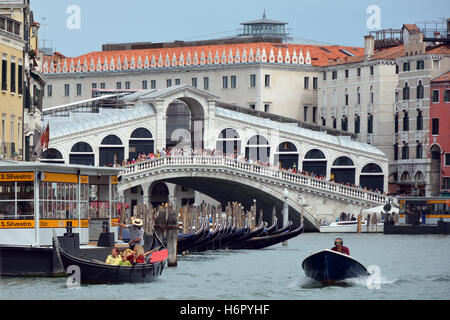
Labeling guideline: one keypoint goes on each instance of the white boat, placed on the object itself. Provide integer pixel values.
(352, 226)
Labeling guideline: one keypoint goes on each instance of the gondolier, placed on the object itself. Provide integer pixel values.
(136, 232)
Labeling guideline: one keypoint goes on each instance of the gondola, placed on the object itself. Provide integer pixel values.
(267, 241)
(248, 235)
(186, 241)
(187, 246)
(268, 231)
(214, 234)
(282, 230)
(328, 266)
(97, 272)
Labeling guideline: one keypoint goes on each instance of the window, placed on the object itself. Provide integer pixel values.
(127, 85)
(420, 65)
(371, 70)
(435, 96)
(405, 152)
(78, 89)
(419, 151)
(194, 82)
(334, 123)
(20, 79)
(406, 66)
(396, 122)
(419, 120)
(346, 73)
(314, 115)
(447, 159)
(169, 83)
(49, 90)
(306, 82)
(358, 72)
(267, 108)
(4, 75)
(396, 69)
(346, 97)
(435, 127)
(177, 82)
(396, 152)
(344, 123)
(371, 98)
(118, 85)
(334, 75)
(315, 86)
(324, 122)
(233, 81)
(102, 85)
(13, 77)
(406, 92)
(144, 85)
(369, 123)
(358, 96)
(66, 90)
(206, 83)
(305, 113)
(405, 122)
(224, 82)
(324, 75)
(153, 84)
(267, 80)
(357, 124)
(447, 96)
(252, 80)
(446, 183)
(420, 90)
(435, 64)
(252, 106)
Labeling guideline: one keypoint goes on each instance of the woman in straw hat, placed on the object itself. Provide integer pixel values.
(136, 232)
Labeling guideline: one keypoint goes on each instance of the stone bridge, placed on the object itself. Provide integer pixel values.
(227, 179)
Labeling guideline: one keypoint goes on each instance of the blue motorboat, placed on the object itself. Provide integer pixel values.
(328, 266)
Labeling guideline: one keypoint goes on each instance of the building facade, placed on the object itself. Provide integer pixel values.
(439, 135)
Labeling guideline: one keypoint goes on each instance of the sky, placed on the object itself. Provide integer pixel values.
(76, 27)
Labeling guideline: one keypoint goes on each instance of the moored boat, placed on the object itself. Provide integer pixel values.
(352, 227)
(328, 266)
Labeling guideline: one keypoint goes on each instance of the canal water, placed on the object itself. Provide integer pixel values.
(404, 266)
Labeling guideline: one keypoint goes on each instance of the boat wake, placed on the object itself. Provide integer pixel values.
(304, 282)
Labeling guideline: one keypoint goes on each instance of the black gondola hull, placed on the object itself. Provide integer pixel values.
(329, 266)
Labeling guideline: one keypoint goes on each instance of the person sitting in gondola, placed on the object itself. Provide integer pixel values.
(138, 254)
(124, 261)
(339, 247)
(114, 258)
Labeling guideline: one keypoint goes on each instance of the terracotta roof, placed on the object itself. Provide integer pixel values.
(390, 53)
(314, 55)
(412, 28)
(441, 49)
(442, 78)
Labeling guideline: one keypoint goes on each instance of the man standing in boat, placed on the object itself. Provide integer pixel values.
(136, 232)
(339, 247)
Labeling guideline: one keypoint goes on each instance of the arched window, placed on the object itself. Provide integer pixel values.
(141, 142)
(406, 91)
(372, 177)
(343, 170)
(420, 90)
(287, 156)
(52, 156)
(371, 168)
(419, 176)
(405, 176)
(371, 98)
(111, 140)
(82, 153)
(358, 96)
(346, 97)
(315, 162)
(228, 142)
(258, 149)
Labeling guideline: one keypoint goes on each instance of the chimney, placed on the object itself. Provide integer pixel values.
(369, 47)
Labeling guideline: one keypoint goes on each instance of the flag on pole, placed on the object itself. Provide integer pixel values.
(41, 143)
(45, 138)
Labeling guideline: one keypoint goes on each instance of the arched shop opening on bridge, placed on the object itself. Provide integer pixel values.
(286, 156)
(343, 170)
(111, 151)
(159, 194)
(315, 163)
(185, 124)
(228, 142)
(258, 149)
(82, 153)
(141, 142)
(372, 177)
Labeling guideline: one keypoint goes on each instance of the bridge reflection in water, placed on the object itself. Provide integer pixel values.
(228, 179)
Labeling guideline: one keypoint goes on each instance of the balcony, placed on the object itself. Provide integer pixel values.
(405, 105)
(370, 108)
(7, 149)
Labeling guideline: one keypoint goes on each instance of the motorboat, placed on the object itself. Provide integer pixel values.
(352, 226)
(328, 266)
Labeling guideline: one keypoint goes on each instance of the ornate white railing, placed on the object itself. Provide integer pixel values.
(220, 161)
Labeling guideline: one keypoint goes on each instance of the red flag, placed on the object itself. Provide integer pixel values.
(45, 137)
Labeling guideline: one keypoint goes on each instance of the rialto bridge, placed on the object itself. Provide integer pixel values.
(253, 153)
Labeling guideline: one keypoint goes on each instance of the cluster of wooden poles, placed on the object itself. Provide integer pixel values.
(205, 227)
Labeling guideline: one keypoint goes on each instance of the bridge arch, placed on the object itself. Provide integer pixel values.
(229, 141)
(111, 150)
(287, 155)
(258, 149)
(372, 177)
(141, 141)
(315, 162)
(82, 153)
(343, 170)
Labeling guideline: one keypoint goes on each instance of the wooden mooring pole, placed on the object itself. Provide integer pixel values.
(171, 235)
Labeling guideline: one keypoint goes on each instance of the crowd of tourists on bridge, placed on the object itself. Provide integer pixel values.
(189, 152)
